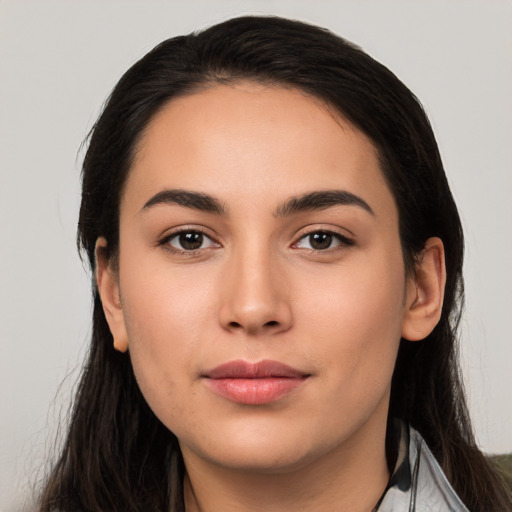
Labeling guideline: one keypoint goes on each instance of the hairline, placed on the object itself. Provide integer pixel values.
(210, 80)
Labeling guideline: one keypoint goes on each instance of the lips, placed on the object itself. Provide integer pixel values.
(253, 383)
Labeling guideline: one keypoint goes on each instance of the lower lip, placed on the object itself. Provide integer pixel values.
(254, 391)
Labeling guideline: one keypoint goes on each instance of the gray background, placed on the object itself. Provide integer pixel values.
(59, 60)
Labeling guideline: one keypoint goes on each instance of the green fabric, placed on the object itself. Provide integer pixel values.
(504, 465)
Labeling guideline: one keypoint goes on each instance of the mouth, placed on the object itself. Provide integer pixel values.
(254, 383)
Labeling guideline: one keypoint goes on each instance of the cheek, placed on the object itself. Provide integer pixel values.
(356, 316)
(162, 302)
(166, 316)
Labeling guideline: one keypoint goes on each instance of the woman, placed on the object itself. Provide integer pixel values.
(278, 283)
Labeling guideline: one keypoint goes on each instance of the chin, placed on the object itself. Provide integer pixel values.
(264, 459)
(265, 450)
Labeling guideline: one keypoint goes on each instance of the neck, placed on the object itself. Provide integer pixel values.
(351, 477)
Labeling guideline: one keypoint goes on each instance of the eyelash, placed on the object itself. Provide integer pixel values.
(165, 242)
(343, 241)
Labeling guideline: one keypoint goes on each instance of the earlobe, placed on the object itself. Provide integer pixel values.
(108, 288)
(425, 292)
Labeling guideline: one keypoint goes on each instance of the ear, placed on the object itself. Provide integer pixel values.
(108, 288)
(425, 292)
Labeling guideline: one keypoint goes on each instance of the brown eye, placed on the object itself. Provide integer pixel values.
(190, 241)
(319, 241)
(323, 240)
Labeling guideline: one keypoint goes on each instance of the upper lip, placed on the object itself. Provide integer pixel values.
(240, 369)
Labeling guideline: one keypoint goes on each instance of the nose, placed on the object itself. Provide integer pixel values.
(254, 297)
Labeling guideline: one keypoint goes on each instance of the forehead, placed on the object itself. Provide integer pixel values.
(253, 140)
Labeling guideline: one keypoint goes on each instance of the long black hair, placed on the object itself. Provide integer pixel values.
(118, 456)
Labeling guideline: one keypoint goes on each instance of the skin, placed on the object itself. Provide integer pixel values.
(256, 289)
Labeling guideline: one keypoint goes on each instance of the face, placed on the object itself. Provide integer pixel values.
(262, 291)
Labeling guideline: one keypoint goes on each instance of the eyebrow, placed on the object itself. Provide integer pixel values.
(194, 200)
(317, 200)
(321, 200)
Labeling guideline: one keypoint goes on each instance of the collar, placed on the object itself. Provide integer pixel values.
(417, 482)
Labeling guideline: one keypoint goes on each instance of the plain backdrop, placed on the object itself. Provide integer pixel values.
(59, 61)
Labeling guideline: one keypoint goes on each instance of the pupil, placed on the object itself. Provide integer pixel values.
(320, 240)
(191, 241)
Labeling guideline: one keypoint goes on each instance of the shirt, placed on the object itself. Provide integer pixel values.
(417, 483)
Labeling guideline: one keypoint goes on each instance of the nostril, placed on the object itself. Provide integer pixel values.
(238, 325)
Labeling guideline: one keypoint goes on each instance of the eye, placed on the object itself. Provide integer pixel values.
(190, 240)
(323, 240)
